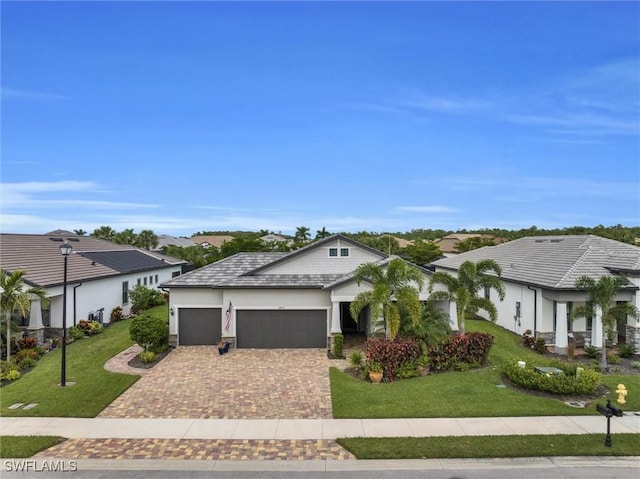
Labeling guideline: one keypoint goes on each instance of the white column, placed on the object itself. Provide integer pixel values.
(35, 315)
(596, 329)
(453, 316)
(562, 333)
(335, 318)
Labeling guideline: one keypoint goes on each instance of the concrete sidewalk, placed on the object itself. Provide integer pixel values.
(310, 429)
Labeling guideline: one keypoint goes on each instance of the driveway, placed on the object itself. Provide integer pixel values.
(196, 382)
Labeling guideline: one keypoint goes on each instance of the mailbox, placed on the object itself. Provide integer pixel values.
(608, 411)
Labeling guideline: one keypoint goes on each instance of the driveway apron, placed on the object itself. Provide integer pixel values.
(198, 382)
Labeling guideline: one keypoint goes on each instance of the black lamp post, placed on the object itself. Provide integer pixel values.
(65, 249)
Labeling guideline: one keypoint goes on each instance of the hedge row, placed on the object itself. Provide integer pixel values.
(392, 354)
(567, 383)
(469, 349)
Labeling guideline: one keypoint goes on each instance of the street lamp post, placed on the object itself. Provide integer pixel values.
(65, 249)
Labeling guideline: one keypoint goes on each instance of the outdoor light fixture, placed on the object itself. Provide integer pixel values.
(171, 311)
(65, 249)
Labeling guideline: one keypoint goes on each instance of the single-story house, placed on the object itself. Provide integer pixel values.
(211, 240)
(266, 300)
(539, 274)
(100, 275)
(448, 243)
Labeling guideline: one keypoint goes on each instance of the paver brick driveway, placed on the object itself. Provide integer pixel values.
(196, 382)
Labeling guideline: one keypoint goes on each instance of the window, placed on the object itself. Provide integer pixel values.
(156, 279)
(487, 292)
(333, 252)
(344, 252)
(139, 281)
(175, 274)
(145, 280)
(150, 279)
(125, 292)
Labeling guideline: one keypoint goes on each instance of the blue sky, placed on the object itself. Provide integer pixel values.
(188, 116)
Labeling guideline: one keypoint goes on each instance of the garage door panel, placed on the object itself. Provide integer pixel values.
(270, 329)
(199, 326)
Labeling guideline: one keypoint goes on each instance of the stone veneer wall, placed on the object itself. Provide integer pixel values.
(633, 336)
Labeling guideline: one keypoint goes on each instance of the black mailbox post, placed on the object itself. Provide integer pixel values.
(608, 411)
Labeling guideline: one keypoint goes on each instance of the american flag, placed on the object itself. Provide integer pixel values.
(229, 314)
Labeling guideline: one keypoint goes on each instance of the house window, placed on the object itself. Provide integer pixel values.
(156, 279)
(175, 274)
(344, 252)
(145, 280)
(150, 279)
(333, 252)
(487, 292)
(125, 292)
(139, 281)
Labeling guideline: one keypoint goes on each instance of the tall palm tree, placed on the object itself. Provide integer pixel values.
(80, 232)
(15, 296)
(323, 233)
(463, 289)
(395, 288)
(126, 236)
(601, 295)
(104, 232)
(302, 234)
(147, 239)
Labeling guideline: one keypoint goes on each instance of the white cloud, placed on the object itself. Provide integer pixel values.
(18, 94)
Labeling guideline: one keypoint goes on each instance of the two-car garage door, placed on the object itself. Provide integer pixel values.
(263, 329)
(271, 329)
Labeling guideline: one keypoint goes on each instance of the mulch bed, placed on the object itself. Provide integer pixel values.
(136, 363)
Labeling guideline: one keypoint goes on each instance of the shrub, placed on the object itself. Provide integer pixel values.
(470, 349)
(11, 375)
(148, 356)
(591, 351)
(27, 343)
(28, 363)
(408, 370)
(626, 350)
(635, 364)
(391, 354)
(75, 332)
(338, 344)
(27, 354)
(567, 383)
(9, 371)
(143, 298)
(613, 359)
(528, 339)
(116, 314)
(150, 332)
(355, 358)
(540, 346)
(89, 327)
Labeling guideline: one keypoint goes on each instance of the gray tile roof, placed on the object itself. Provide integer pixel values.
(128, 261)
(40, 256)
(554, 261)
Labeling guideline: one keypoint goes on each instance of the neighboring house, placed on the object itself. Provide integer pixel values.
(211, 240)
(402, 243)
(168, 240)
(273, 299)
(100, 275)
(539, 274)
(448, 243)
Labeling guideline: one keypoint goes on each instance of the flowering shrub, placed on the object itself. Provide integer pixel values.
(116, 314)
(391, 354)
(459, 352)
(27, 343)
(89, 327)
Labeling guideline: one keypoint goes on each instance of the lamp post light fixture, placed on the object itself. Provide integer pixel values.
(65, 249)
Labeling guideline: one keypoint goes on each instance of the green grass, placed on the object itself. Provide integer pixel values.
(26, 446)
(463, 394)
(491, 446)
(94, 389)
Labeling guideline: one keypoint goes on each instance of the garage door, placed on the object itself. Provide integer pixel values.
(199, 326)
(269, 329)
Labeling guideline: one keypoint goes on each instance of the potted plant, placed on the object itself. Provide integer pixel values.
(375, 371)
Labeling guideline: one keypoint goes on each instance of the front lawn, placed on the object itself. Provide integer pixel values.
(491, 446)
(476, 393)
(26, 446)
(94, 389)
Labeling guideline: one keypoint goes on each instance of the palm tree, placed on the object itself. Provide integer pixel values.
(323, 233)
(433, 327)
(302, 234)
(147, 239)
(463, 289)
(15, 297)
(80, 232)
(601, 295)
(104, 232)
(126, 236)
(396, 288)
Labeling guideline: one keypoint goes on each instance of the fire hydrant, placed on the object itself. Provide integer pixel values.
(622, 393)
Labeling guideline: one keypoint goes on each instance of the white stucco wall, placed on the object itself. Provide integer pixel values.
(103, 293)
(320, 262)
